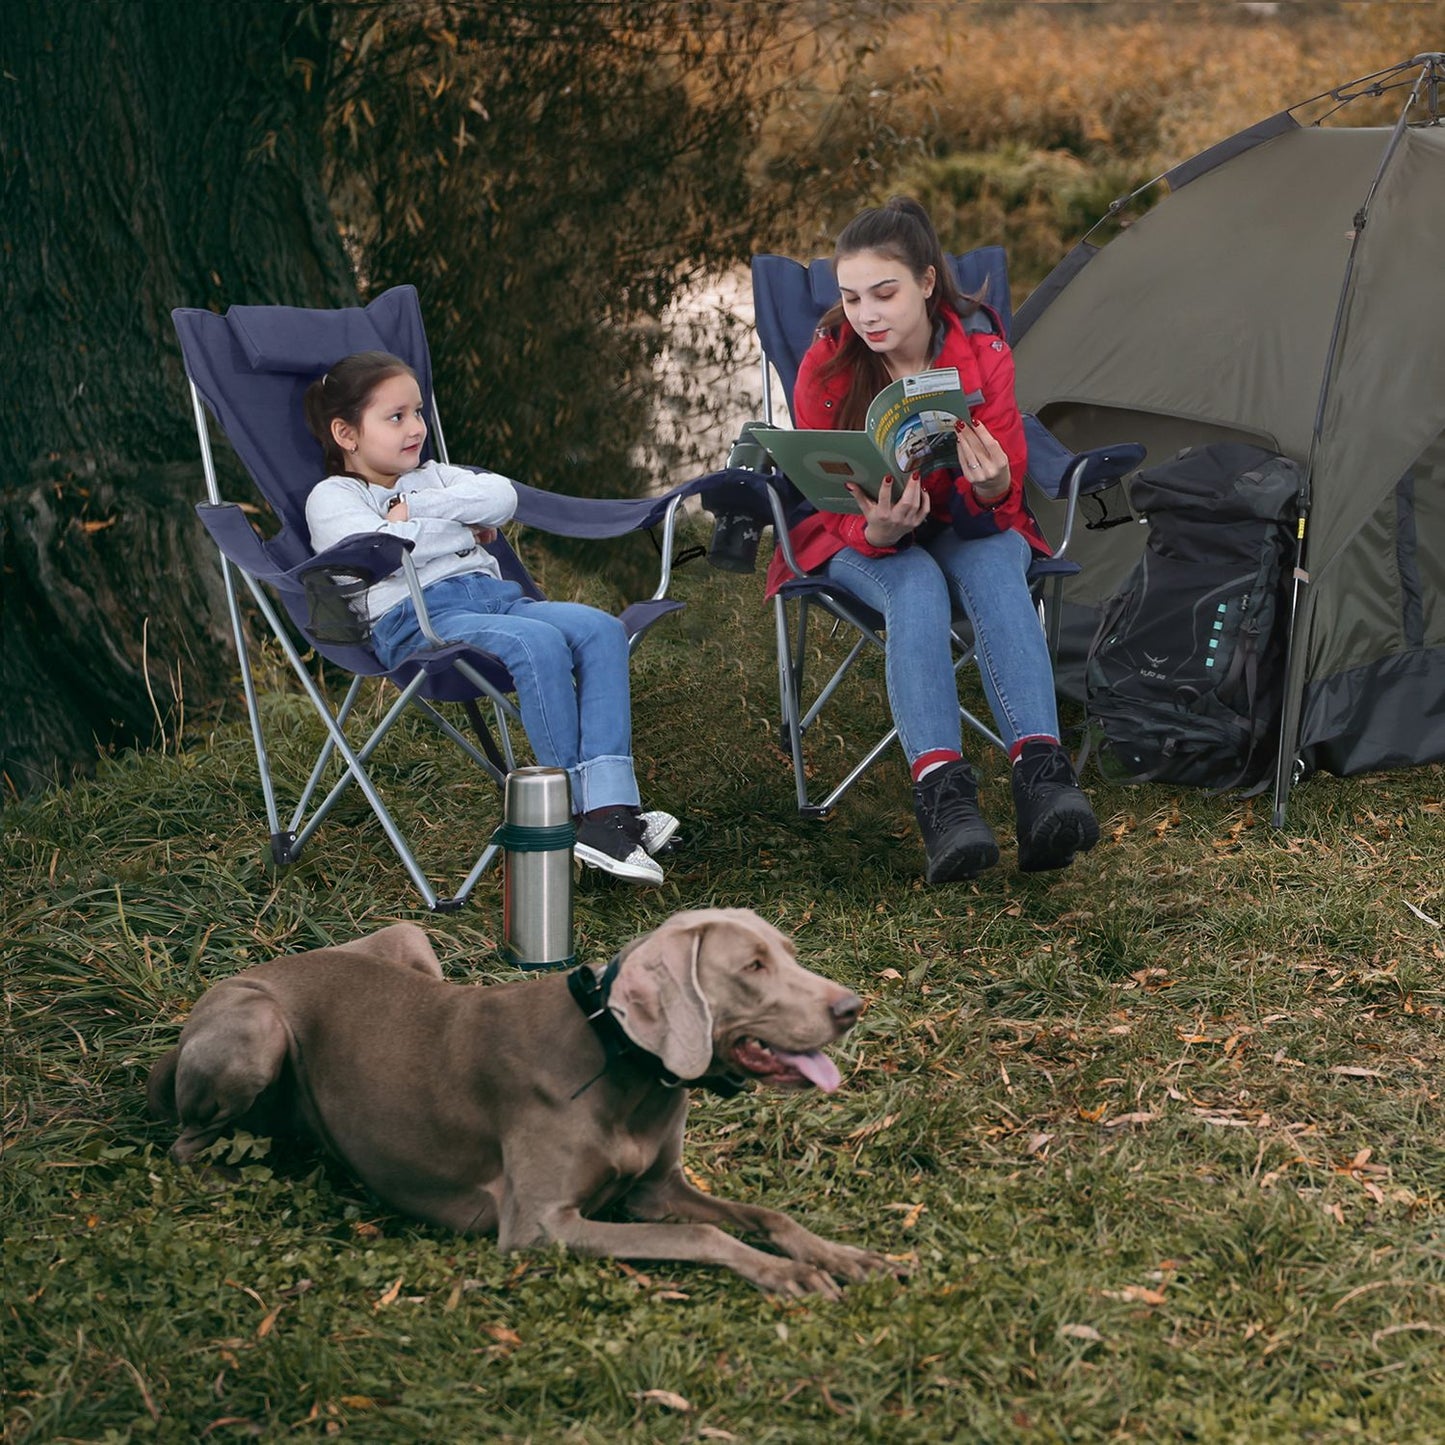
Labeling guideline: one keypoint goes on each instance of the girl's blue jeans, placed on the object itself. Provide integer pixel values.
(569, 663)
(918, 591)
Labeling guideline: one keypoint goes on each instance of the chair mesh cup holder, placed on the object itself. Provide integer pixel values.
(734, 546)
(735, 535)
(335, 611)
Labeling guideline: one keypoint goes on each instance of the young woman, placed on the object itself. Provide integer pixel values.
(959, 536)
(569, 662)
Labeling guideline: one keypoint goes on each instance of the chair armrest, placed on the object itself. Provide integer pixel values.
(378, 553)
(597, 518)
(1092, 471)
(232, 532)
(1055, 470)
(1103, 466)
(1065, 476)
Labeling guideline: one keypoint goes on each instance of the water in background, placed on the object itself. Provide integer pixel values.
(709, 381)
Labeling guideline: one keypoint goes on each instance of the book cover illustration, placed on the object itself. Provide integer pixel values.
(909, 427)
(911, 421)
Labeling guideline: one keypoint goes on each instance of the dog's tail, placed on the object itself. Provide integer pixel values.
(161, 1086)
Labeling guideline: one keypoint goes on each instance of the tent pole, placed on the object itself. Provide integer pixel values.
(1290, 721)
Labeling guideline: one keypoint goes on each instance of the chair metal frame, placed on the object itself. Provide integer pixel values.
(245, 554)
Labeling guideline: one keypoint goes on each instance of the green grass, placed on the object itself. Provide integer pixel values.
(1162, 1134)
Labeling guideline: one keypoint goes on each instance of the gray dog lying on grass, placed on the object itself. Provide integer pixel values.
(522, 1109)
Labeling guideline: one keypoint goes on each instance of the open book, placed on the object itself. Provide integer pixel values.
(909, 428)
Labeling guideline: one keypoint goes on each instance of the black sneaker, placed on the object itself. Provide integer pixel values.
(1055, 820)
(613, 843)
(958, 842)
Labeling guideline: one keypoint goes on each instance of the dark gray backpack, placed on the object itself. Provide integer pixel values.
(1184, 678)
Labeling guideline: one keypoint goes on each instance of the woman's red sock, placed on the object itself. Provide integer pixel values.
(925, 763)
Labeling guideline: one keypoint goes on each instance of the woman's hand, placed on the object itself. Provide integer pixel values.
(888, 521)
(985, 467)
(485, 535)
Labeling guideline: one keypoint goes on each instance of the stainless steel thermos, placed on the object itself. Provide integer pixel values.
(536, 837)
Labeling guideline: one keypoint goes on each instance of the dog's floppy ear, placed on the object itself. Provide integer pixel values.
(656, 999)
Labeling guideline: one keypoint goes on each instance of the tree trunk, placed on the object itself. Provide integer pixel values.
(153, 154)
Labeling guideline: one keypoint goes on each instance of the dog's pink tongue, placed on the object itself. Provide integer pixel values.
(817, 1068)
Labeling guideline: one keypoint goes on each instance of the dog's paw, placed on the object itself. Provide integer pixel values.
(793, 1278)
(846, 1262)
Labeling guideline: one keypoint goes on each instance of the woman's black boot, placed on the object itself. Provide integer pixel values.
(958, 842)
(1055, 820)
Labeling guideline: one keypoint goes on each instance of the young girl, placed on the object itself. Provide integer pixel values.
(956, 537)
(569, 662)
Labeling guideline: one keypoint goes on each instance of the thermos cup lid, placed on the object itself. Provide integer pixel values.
(537, 798)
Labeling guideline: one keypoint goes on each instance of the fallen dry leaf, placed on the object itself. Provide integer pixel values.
(1120, 1121)
(668, 1399)
(1422, 915)
(877, 1126)
(911, 1213)
(1136, 1294)
(1081, 1332)
(390, 1296)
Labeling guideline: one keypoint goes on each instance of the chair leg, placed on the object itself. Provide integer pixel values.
(253, 710)
(484, 736)
(355, 767)
(1056, 619)
(499, 714)
(322, 759)
(788, 701)
(796, 719)
(444, 726)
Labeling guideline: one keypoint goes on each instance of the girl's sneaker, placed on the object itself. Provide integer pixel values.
(613, 843)
(657, 830)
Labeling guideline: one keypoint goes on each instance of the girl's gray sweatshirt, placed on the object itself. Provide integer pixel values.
(443, 503)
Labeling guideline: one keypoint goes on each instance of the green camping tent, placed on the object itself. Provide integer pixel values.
(1289, 290)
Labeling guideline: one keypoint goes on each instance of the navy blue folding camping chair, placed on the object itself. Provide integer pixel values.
(790, 298)
(250, 367)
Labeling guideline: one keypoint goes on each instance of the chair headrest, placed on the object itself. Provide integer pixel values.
(293, 340)
(253, 364)
(790, 298)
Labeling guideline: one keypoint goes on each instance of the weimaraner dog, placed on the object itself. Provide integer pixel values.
(523, 1109)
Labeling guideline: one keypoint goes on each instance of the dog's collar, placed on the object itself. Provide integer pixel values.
(591, 994)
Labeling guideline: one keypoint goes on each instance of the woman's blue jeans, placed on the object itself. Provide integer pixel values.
(918, 591)
(569, 663)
